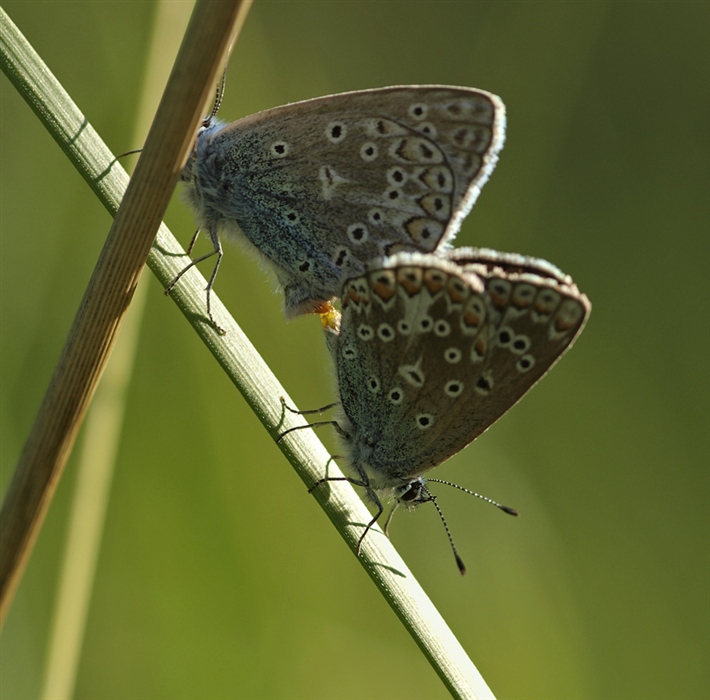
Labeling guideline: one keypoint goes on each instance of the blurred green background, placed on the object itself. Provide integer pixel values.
(218, 575)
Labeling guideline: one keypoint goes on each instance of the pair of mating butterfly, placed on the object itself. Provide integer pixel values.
(355, 197)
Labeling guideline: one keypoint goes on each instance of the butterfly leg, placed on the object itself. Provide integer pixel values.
(371, 494)
(311, 425)
(380, 509)
(354, 482)
(193, 240)
(218, 252)
(323, 409)
(192, 263)
(389, 518)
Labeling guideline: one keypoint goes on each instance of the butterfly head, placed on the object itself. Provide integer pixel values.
(193, 175)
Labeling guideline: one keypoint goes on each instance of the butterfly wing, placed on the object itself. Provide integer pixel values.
(536, 313)
(431, 352)
(321, 187)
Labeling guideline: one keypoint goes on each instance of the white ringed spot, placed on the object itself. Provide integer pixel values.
(418, 110)
(403, 328)
(396, 396)
(452, 355)
(365, 332)
(454, 388)
(442, 328)
(424, 420)
(525, 363)
(520, 344)
(425, 324)
(279, 149)
(369, 151)
(358, 233)
(336, 131)
(385, 332)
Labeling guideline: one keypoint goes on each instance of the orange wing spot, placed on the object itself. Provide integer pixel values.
(354, 296)
(546, 303)
(568, 316)
(520, 304)
(471, 319)
(434, 280)
(410, 279)
(457, 291)
(499, 291)
(562, 324)
(499, 301)
(382, 284)
(474, 313)
(478, 351)
(523, 296)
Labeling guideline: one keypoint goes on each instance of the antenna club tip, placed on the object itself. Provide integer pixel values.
(510, 511)
(460, 564)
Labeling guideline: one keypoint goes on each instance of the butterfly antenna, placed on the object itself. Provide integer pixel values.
(505, 509)
(219, 96)
(431, 497)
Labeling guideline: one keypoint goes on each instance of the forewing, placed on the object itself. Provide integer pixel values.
(321, 187)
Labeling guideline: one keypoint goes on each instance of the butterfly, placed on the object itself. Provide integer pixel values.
(316, 189)
(431, 349)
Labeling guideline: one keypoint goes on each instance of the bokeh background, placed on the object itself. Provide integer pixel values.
(218, 575)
